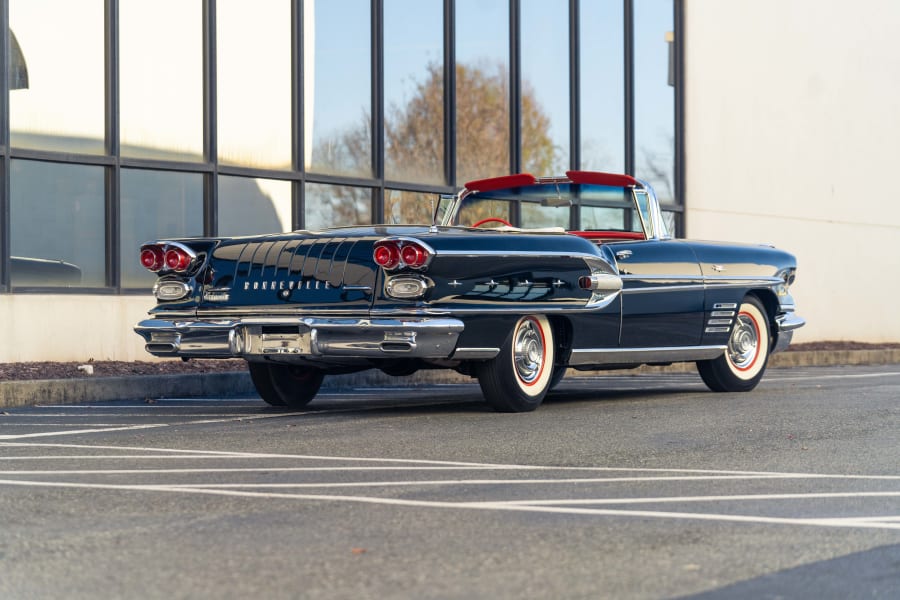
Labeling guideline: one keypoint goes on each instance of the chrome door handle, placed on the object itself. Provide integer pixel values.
(623, 254)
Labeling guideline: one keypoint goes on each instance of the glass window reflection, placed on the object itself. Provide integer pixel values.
(545, 87)
(482, 89)
(253, 46)
(602, 86)
(57, 97)
(338, 112)
(413, 208)
(654, 98)
(57, 225)
(337, 205)
(161, 79)
(250, 206)
(414, 90)
(537, 216)
(156, 205)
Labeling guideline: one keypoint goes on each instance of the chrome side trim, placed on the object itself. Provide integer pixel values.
(666, 288)
(516, 253)
(475, 353)
(709, 280)
(615, 356)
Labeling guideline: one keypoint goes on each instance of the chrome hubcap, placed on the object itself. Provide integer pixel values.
(744, 342)
(528, 351)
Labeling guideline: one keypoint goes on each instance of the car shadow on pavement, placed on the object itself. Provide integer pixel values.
(873, 573)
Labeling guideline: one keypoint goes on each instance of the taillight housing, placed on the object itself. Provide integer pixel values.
(177, 259)
(152, 258)
(395, 254)
(167, 256)
(387, 255)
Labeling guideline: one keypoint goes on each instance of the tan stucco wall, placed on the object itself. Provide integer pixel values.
(793, 137)
(71, 328)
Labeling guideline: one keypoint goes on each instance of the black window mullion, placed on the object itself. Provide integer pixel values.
(210, 142)
(450, 92)
(679, 117)
(4, 145)
(377, 44)
(628, 11)
(112, 192)
(515, 87)
(574, 86)
(298, 204)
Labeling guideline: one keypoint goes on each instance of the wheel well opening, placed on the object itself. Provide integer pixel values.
(562, 335)
(770, 303)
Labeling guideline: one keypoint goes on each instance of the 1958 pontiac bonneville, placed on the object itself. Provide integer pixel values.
(517, 279)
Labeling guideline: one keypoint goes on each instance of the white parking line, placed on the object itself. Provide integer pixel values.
(416, 461)
(600, 507)
(887, 522)
(820, 377)
(23, 436)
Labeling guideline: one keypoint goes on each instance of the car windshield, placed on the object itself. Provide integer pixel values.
(569, 206)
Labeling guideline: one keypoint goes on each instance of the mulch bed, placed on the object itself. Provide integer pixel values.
(103, 368)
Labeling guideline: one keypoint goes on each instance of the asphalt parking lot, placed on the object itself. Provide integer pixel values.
(622, 486)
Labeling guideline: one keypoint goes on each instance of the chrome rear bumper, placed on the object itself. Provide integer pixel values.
(301, 337)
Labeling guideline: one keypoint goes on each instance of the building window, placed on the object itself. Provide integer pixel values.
(482, 89)
(57, 225)
(337, 205)
(59, 105)
(156, 205)
(161, 79)
(654, 97)
(250, 206)
(253, 50)
(414, 91)
(413, 208)
(544, 112)
(338, 113)
(602, 65)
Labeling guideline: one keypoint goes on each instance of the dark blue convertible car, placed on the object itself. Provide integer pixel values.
(517, 280)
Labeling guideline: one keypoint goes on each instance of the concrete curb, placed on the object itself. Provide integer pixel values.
(209, 385)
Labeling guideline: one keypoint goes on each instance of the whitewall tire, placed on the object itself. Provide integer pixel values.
(746, 354)
(518, 378)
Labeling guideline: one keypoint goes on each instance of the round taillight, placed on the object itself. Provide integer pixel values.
(386, 255)
(152, 258)
(413, 255)
(177, 259)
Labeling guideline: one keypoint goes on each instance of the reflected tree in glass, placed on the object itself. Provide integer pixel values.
(337, 205)
(482, 125)
(409, 207)
(337, 64)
